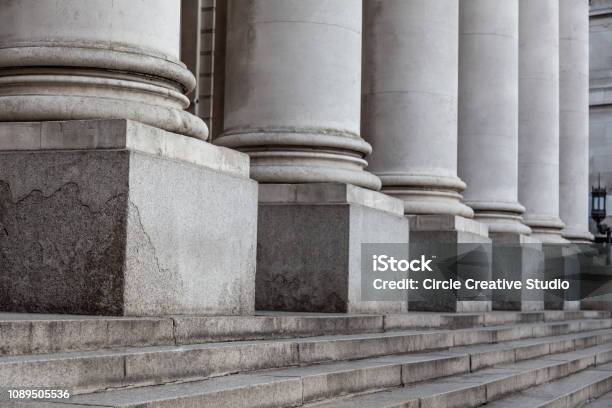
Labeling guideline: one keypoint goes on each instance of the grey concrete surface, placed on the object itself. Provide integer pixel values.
(309, 246)
(518, 257)
(28, 333)
(97, 370)
(465, 247)
(119, 134)
(480, 387)
(120, 232)
(575, 390)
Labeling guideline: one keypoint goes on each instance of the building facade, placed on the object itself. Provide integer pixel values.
(153, 151)
(599, 99)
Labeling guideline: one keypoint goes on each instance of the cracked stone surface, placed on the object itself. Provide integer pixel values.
(62, 234)
(123, 233)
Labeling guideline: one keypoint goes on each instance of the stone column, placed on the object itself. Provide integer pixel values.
(110, 201)
(410, 102)
(293, 90)
(488, 112)
(73, 60)
(488, 141)
(191, 46)
(293, 103)
(409, 116)
(574, 119)
(539, 118)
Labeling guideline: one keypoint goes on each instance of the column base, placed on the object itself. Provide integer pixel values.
(517, 257)
(427, 195)
(576, 236)
(309, 246)
(562, 262)
(114, 217)
(448, 236)
(571, 305)
(546, 229)
(500, 217)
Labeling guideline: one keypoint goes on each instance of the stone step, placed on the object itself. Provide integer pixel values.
(573, 391)
(471, 349)
(604, 401)
(301, 386)
(39, 334)
(485, 386)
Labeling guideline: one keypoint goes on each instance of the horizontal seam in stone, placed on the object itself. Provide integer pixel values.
(308, 22)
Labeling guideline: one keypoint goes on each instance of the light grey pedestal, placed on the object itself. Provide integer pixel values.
(309, 245)
(517, 257)
(117, 218)
(562, 261)
(456, 238)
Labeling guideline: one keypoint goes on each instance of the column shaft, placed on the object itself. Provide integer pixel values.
(539, 117)
(410, 102)
(293, 90)
(69, 59)
(488, 112)
(574, 119)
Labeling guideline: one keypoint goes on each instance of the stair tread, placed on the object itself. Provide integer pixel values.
(605, 401)
(292, 384)
(556, 390)
(118, 351)
(112, 369)
(26, 333)
(451, 385)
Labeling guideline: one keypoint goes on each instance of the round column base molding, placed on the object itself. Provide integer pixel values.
(319, 139)
(87, 55)
(500, 216)
(283, 155)
(33, 108)
(295, 174)
(548, 236)
(428, 201)
(497, 207)
(422, 181)
(577, 236)
(546, 228)
(498, 223)
(551, 223)
(310, 166)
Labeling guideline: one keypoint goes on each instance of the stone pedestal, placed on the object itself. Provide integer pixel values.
(309, 242)
(457, 239)
(562, 262)
(517, 258)
(115, 217)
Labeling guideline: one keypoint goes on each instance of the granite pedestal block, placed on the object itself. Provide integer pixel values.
(561, 262)
(309, 246)
(460, 240)
(517, 257)
(118, 218)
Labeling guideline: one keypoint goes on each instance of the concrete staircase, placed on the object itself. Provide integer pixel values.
(502, 359)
